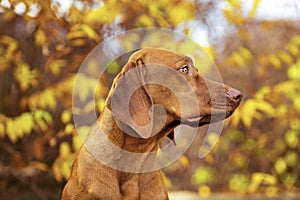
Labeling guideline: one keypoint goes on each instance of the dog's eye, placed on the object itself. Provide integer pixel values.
(185, 69)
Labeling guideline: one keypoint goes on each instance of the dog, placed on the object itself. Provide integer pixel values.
(156, 91)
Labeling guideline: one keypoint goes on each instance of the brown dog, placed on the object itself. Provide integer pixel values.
(121, 164)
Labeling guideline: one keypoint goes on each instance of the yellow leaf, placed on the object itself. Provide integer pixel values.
(296, 103)
(25, 77)
(293, 49)
(64, 150)
(66, 168)
(263, 60)
(48, 96)
(254, 8)
(101, 104)
(239, 60)
(234, 3)
(249, 111)
(296, 40)
(272, 191)
(40, 37)
(74, 34)
(209, 50)
(75, 15)
(236, 118)
(180, 13)
(294, 71)
(262, 92)
(66, 116)
(83, 132)
(275, 61)
(265, 107)
(285, 57)
(11, 47)
(77, 143)
(26, 122)
(245, 53)
(78, 42)
(56, 171)
(280, 166)
(184, 161)
(212, 138)
(144, 21)
(259, 178)
(204, 191)
(10, 131)
(291, 138)
(18, 127)
(167, 181)
(104, 14)
(57, 65)
(69, 128)
(90, 32)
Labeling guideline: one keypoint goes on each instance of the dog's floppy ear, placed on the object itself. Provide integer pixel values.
(129, 99)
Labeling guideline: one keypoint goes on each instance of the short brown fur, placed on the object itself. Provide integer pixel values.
(92, 179)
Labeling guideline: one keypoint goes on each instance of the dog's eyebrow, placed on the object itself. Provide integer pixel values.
(189, 59)
(184, 59)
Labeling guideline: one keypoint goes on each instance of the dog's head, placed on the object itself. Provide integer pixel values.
(154, 77)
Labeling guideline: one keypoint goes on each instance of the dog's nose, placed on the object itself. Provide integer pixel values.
(235, 94)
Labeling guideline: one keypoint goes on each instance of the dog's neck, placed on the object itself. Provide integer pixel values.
(123, 136)
(112, 146)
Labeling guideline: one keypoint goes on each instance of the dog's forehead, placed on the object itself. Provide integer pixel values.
(161, 56)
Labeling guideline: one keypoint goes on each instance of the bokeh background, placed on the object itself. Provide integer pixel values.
(254, 43)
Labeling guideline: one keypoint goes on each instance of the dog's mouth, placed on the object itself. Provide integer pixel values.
(213, 117)
(202, 120)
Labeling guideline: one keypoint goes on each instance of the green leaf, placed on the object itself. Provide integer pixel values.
(203, 175)
(113, 68)
(293, 72)
(239, 182)
(291, 158)
(42, 119)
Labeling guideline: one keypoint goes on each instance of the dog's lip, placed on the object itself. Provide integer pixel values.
(195, 119)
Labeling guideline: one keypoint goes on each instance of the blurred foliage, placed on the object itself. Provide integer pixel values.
(42, 46)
